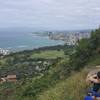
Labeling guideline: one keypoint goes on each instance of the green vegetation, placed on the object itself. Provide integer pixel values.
(51, 73)
(32, 63)
(72, 88)
(50, 54)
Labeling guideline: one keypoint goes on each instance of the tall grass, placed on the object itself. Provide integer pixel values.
(73, 88)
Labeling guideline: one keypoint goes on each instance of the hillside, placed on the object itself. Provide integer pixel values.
(32, 62)
(62, 77)
(73, 88)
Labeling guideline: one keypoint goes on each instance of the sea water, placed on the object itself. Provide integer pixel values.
(25, 41)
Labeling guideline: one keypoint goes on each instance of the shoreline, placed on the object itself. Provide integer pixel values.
(55, 47)
(25, 48)
(40, 48)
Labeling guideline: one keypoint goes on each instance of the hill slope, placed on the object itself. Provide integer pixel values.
(73, 88)
(62, 80)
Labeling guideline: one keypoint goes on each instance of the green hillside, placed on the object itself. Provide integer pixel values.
(61, 71)
(72, 88)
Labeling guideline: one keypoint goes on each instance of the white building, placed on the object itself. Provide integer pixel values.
(4, 51)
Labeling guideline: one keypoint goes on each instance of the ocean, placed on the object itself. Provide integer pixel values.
(25, 41)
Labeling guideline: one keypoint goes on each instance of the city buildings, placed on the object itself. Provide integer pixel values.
(70, 38)
(73, 38)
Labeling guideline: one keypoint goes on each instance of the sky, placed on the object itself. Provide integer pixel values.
(50, 14)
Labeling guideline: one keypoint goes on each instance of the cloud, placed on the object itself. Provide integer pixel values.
(58, 14)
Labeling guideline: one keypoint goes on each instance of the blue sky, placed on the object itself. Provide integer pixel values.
(50, 14)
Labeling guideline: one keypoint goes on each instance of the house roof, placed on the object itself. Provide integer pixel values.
(11, 76)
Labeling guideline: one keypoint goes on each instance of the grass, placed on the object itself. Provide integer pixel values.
(48, 54)
(73, 88)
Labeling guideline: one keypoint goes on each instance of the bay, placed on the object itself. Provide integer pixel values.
(25, 41)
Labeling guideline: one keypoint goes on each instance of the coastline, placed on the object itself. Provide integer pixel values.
(27, 42)
(53, 47)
